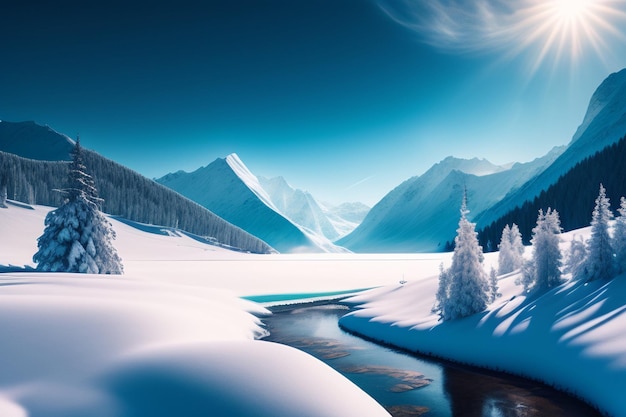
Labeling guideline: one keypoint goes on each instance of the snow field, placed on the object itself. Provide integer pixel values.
(151, 342)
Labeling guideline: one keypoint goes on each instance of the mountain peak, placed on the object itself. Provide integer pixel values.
(608, 98)
(33, 141)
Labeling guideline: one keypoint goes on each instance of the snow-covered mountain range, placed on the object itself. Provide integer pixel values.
(289, 220)
(304, 210)
(421, 214)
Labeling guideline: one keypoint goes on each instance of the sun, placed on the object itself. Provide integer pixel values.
(560, 31)
(571, 11)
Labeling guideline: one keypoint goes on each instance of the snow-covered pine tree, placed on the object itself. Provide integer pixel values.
(467, 281)
(576, 258)
(543, 271)
(442, 291)
(79, 182)
(619, 237)
(511, 255)
(517, 247)
(77, 236)
(600, 263)
(493, 286)
(505, 254)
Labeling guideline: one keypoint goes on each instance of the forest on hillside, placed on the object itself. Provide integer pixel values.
(573, 195)
(125, 193)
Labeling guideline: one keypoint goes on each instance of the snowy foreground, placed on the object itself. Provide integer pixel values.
(573, 337)
(171, 336)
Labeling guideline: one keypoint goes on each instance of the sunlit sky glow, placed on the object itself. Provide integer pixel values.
(345, 99)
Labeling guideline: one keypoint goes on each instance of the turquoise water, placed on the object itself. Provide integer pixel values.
(272, 298)
(410, 385)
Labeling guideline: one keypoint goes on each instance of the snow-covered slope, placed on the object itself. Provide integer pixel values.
(604, 124)
(422, 213)
(86, 345)
(345, 217)
(571, 337)
(304, 210)
(228, 188)
(30, 140)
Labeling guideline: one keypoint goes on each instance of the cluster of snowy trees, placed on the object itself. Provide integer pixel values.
(77, 236)
(464, 288)
(126, 194)
(604, 255)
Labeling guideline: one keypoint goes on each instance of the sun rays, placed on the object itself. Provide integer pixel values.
(551, 32)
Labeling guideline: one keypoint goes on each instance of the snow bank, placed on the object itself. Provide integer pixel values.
(572, 337)
(148, 343)
(77, 345)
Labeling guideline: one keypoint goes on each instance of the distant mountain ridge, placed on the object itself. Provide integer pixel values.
(421, 213)
(304, 210)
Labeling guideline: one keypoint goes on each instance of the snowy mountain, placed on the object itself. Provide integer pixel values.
(603, 125)
(422, 213)
(32, 141)
(125, 192)
(345, 217)
(228, 188)
(304, 210)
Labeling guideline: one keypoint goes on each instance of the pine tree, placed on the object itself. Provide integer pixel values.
(77, 236)
(505, 254)
(493, 286)
(3, 195)
(466, 279)
(619, 237)
(442, 291)
(79, 182)
(517, 246)
(511, 255)
(576, 258)
(600, 263)
(543, 271)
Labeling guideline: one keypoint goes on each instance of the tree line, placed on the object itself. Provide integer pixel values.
(125, 193)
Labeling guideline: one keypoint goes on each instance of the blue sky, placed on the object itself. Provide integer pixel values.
(343, 98)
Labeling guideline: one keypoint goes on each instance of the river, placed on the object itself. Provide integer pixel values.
(412, 385)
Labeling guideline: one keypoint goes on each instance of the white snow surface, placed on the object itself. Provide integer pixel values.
(572, 337)
(170, 336)
(154, 342)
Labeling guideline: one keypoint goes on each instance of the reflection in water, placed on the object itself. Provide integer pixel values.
(413, 385)
(493, 395)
